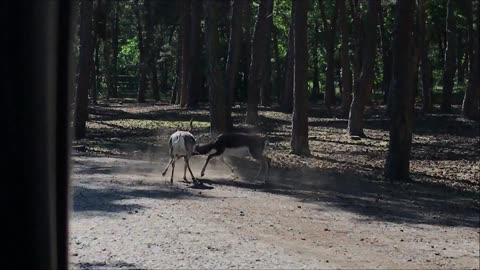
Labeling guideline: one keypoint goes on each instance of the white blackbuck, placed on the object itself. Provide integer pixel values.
(181, 144)
(236, 144)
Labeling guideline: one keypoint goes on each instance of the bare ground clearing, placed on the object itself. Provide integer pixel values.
(330, 210)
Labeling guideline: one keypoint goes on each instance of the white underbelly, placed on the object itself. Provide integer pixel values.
(236, 152)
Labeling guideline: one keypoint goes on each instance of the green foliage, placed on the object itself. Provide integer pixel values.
(281, 21)
(128, 54)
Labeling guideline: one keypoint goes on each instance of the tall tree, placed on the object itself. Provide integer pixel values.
(386, 54)
(330, 30)
(345, 60)
(357, 35)
(246, 44)
(115, 28)
(214, 71)
(95, 70)
(107, 47)
(85, 60)
(195, 79)
(260, 47)
(185, 66)
(142, 65)
(424, 60)
(471, 101)
(461, 52)
(287, 96)
(175, 98)
(450, 62)
(315, 96)
(363, 86)
(95, 76)
(149, 49)
(266, 87)
(401, 93)
(299, 141)
(277, 78)
(234, 43)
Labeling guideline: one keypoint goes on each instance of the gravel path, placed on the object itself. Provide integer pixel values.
(125, 215)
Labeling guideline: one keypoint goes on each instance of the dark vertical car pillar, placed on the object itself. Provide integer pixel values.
(35, 92)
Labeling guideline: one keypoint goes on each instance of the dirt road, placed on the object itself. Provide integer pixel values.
(125, 215)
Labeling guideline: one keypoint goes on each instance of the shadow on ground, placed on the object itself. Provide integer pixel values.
(374, 199)
(348, 189)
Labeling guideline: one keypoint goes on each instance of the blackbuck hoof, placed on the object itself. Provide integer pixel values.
(163, 173)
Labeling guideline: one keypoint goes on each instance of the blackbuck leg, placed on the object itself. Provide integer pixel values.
(173, 169)
(190, 170)
(259, 170)
(264, 161)
(185, 169)
(168, 165)
(228, 165)
(218, 153)
(267, 162)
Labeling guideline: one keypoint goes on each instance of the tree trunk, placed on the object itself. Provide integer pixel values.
(450, 59)
(175, 99)
(330, 48)
(247, 44)
(345, 61)
(142, 70)
(315, 96)
(401, 106)
(195, 79)
(425, 62)
(461, 52)
(299, 141)
(214, 71)
(260, 47)
(287, 97)
(363, 86)
(95, 77)
(470, 109)
(386, 56)
(85, 59)
(107, 45)
(186, 26)
(266, 87)
(95, 69)
(356, 39)
(278, 68)
(149, 49)
(164, 78)
(234, 47)
(115, 31)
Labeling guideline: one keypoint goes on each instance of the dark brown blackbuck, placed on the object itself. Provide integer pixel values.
(236, 145)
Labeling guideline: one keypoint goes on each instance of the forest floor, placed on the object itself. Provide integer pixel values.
(329, 210)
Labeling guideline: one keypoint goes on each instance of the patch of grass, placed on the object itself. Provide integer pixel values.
(155, 124)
